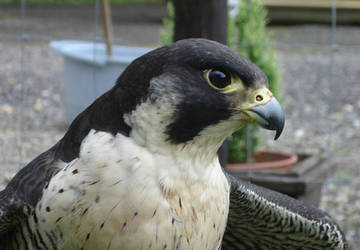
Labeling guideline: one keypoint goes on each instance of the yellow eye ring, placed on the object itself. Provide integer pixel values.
(222, 81)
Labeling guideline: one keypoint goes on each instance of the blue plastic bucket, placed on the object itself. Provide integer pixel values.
(89, 72)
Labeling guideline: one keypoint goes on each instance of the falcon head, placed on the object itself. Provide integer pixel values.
(196, 89)
(191, 94)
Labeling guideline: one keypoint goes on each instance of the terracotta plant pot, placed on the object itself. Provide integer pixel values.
(267, 161)
(295, 180)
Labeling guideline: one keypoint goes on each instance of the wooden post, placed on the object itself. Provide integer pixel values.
(201, 18)
(106, 15)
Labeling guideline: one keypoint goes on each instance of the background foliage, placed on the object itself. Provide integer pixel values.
(247, 35)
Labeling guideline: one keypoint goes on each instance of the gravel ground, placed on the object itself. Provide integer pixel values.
(323, 108)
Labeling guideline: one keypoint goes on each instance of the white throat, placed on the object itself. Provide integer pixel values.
(149, 123)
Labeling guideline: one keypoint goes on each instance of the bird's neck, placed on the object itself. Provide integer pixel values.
(148, 126)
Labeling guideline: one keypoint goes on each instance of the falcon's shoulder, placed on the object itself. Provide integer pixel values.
(260, 217)
(25, 189)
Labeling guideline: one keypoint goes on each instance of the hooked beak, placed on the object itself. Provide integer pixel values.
(269, 116)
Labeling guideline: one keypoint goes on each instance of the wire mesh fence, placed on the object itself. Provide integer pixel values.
(320, 84)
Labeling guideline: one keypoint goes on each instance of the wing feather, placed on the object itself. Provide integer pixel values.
(25, 189)
(263, 219)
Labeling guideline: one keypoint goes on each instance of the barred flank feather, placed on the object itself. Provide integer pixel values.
(263, 219)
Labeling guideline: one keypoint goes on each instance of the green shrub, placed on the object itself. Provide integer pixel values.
(167, 32)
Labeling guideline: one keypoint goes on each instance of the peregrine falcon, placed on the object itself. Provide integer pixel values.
(138, 169)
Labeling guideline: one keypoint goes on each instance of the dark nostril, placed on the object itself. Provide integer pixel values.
(259, 98)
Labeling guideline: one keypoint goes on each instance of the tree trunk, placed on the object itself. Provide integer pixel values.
(201, 18)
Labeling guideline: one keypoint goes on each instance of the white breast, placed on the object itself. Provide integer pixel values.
(118, 195)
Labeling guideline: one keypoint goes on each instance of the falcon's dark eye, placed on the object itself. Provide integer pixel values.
(223, 81)
(219, 79)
